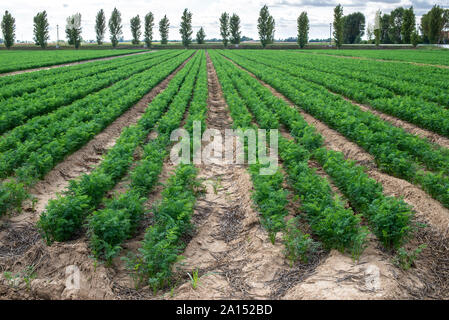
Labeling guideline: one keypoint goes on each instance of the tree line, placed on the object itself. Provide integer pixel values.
(399, 26)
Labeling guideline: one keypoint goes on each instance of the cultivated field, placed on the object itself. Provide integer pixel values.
(92, 205)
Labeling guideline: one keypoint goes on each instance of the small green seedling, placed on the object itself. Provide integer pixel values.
(194, 278)
(406, 259)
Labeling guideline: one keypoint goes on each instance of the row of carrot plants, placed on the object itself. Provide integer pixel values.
(163, 242)
(18, 110)
(395, 151)
(434, 77)
(63, 130)
(65, 215)
(36, 147)
(435, 57)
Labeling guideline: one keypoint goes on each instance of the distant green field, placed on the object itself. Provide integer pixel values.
(14, 60)
(428, 56)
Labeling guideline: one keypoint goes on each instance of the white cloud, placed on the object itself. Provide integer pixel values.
(205, 13)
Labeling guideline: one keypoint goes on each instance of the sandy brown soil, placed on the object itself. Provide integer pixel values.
(22, 246)
(68, 64)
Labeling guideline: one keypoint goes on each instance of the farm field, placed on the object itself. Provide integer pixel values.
(424, 56)
(358, 207)
(22, 60)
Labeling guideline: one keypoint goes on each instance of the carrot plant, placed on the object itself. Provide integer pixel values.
(163, 241)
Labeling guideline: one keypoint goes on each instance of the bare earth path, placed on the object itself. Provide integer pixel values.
(69, 64)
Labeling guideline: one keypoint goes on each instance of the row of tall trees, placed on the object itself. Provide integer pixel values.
(399, 26)
(40, 29)
(229, 28)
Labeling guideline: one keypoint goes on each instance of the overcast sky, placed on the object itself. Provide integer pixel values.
(205, 13)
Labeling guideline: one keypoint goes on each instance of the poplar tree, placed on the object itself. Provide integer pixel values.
(135, 29)
(234, 28)
(9, 29)
(224, 28)
(186, 28)
(200, 36)
(41, 29)
(164, 26)
(115, 27)
(266, 26)
(73, 30)
(303, 30)
(100, 26)
(338, 26)
(149, 23)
